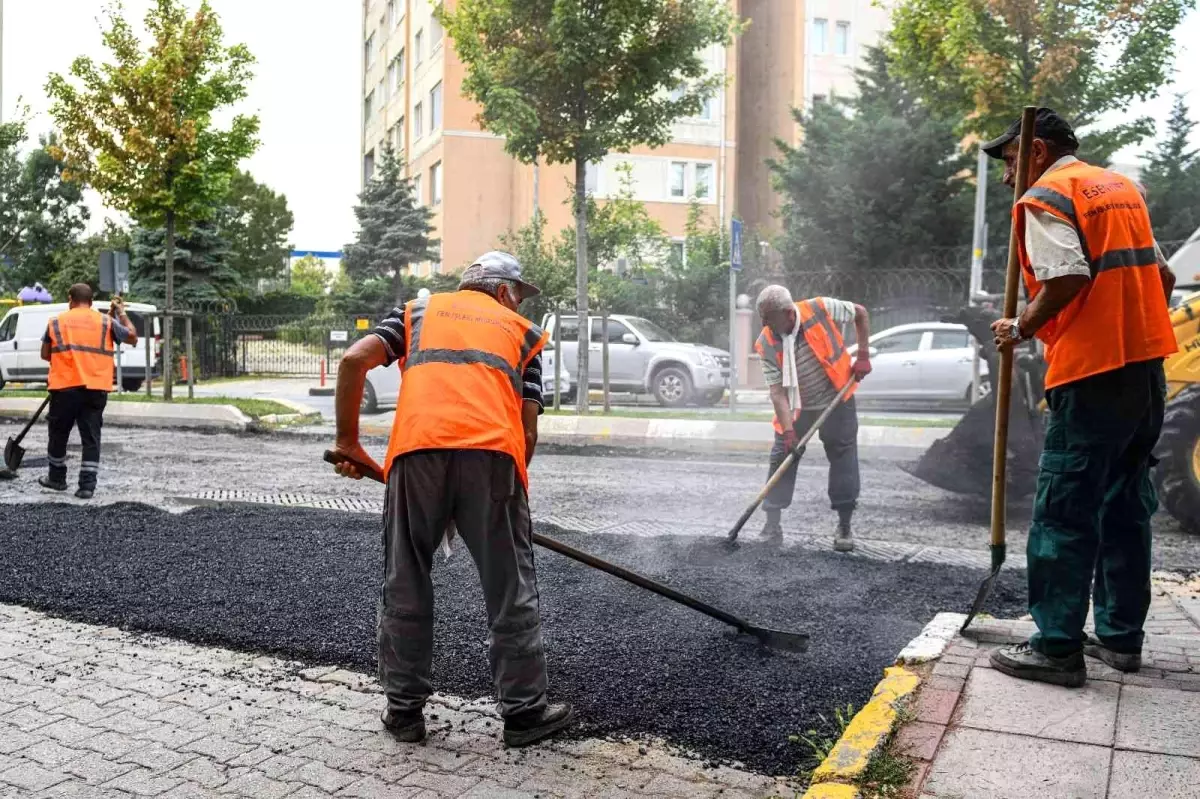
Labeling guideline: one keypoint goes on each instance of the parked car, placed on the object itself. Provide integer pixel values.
(382, 389)
(927, 361)
(21, 332)
(643, 359)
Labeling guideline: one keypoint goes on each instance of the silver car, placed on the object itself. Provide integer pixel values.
(927, 362)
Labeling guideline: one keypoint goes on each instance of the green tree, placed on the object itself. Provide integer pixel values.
(79, 261)
(142, 129)
(255, 221)
(309, 277)
(572, 80)
(203, 268)
(393, 229)
(878, 181)
(1172, 179)
(981, 61)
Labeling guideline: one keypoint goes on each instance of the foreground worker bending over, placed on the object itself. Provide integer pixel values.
(805, 364)
(465, 430)
(1098, 301)
(80, 345)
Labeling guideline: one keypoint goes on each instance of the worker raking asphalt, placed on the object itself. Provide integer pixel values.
(304, 584)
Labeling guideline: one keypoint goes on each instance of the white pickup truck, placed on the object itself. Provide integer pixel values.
(642, 359)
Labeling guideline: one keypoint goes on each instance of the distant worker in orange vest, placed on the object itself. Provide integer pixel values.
(1098, 294)
(805, 364)
(464, 433)
(80, 344)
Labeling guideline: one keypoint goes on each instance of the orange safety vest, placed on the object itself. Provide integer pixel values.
(81, 350)
(822, 336)
(1121, 316)
(462, 383)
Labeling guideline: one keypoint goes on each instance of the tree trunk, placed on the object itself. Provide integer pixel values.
(398, 288)
(168, 362)
(581, 284)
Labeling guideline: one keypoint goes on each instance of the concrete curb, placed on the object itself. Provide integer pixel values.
(155, 415)
(838, 775)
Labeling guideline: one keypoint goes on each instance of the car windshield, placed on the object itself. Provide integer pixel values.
(650, 331)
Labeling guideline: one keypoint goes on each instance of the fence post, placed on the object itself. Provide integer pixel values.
(244, 345)
(604, 353)
(557, 357)
(149, 356)
(191, 359)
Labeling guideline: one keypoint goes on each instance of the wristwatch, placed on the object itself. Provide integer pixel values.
(1015, 335)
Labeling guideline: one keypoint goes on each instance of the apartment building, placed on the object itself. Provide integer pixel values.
(412, 101)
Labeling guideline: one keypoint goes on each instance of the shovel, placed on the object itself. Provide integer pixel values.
(787, 462)
(1004, 390)
(776, 639)
(13, 451)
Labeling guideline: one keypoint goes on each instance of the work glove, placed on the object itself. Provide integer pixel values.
(861, 367)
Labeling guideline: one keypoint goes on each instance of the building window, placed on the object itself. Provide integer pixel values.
(369, 51)
(416, 183)
(368, 166)
(435, 107)
(704, 179)
(396, 72)
(435, 184)
(819, 98)
(368, 108)
(591, 178)
(391, 14)
(706, 110)
(677, 179)
(435, 33)
(398, 136)
(417, 54)
(381, 91)
(841, 38)
(678, 253)
(418, 127)
(819, 33)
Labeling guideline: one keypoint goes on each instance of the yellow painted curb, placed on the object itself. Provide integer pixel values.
(866, 732)
(832, 790)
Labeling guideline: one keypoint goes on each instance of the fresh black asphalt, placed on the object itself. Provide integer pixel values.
(304, 584)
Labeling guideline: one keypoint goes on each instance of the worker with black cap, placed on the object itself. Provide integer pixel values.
(464, 433)
(1098, 300)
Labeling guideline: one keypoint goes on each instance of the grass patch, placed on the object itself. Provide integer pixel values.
(887, 774)
(253, 408)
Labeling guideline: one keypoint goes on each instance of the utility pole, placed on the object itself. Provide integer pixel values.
(978, 244)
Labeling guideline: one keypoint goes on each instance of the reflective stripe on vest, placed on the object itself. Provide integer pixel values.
(833, 357)
(1121, 316)
(462, 383)
(82, 356)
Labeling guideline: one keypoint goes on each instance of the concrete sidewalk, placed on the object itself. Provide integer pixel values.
(182, 416)
(980, 734)
(88, 711)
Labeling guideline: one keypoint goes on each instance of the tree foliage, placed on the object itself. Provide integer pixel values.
(310, 277)
(878, 180)
(394, 229)
(255, 221)
(79, 261)
(981, 61)
(203, 265)
(1172, 179)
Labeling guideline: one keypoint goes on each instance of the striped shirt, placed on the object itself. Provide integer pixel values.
(816, 389)
(391, 332)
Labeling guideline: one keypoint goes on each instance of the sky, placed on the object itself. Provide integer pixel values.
(306, 92)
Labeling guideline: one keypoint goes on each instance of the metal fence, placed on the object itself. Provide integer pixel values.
(232, 345)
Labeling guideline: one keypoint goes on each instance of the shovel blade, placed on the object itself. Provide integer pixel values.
(779, 639)
(13, 454)
(999, 553)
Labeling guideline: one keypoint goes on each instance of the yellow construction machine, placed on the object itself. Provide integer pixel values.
(1177, 475)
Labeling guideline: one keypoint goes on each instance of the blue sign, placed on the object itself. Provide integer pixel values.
(735, 245)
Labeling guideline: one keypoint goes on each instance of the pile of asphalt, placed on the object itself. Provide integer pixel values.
(304, 584)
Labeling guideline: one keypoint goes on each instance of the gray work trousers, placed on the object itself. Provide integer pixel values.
(839, 434)
(482, 493)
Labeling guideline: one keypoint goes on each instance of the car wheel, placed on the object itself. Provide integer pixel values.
(711, 397)
(131, 385)
(985, 388)
(672, 387)
(1, 382)
(370, 403)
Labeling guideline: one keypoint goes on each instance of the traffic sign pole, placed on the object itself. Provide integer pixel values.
(735, 266)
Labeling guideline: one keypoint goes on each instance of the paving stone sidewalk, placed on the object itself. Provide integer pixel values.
(979, 734)
(88, 711)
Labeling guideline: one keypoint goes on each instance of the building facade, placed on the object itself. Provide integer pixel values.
(412, 102)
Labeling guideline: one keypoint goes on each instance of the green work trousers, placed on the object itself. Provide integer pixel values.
(1091, 517)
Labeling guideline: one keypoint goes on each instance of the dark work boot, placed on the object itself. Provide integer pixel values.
(84, 493)
(1026, 663)
(531, 728)
(407, 728)
(773, 530)
(46, 482)
(1121, 661)
(843, 539)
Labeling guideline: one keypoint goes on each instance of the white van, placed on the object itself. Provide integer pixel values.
(21, 332)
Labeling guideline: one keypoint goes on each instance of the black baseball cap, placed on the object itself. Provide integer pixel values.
(1047, 125)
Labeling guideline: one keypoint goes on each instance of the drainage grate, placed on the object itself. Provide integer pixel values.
(223, 497)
